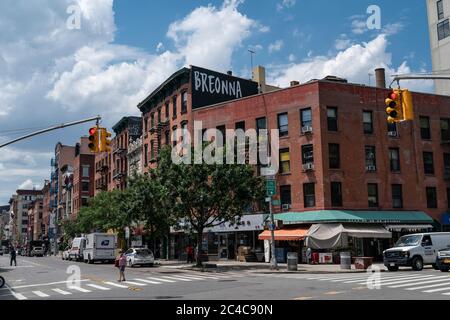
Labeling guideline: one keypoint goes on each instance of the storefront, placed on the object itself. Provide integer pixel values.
(363, 233)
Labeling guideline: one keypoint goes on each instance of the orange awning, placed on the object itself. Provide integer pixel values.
(285, 234)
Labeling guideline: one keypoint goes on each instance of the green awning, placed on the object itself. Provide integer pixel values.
(324, 216)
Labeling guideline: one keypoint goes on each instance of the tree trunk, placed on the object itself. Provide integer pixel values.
(199, 247)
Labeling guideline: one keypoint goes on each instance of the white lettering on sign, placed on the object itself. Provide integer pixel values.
(212, 84)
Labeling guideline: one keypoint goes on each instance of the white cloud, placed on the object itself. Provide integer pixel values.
(27, 185)
(359, 26)
(285, 4)
(159, 47)
(393, 28)
(291, 58)
(276, 46)
(353, 63)
(342, 42)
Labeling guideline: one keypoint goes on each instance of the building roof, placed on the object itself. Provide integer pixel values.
(28, 192)
(324, 216)
(125, 122)
(163, 90)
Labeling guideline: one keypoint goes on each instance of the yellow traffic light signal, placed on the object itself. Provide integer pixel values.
(93, 139)
(394, 108)
(105, 142)
(407, 105)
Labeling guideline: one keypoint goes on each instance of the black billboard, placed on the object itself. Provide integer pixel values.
(210, 87)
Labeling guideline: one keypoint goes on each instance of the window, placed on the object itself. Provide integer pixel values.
(448, 198)
(184, 102)
(145, 154)
(332, 119)
(306, 117)
(166, 111)
(445, 129)
(397, 196)
(425, 132)
(184, 130)
(447, 164)
(307, 154)
(152, 149)
(261, 123)
(392, 129)
(240, 125)
(174, 107)
(285, 162)
(167, 137)
(85, 186)
(285, 195)
(152, 121)
(371, 159)
(336, 194)
(431, 197)
(440, 9)
(145, 124)
(443, 29)
(85, 171)
(283, 124)
(372, 190)
(394, 159)
(222, 131)
(309, 197)
(368, 122)
(334, 156)
(159, 115)
(84, 201)
(428, 165)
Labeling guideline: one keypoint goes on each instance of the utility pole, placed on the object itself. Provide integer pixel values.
(60, 126)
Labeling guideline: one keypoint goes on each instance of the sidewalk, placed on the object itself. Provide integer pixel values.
(261, 267)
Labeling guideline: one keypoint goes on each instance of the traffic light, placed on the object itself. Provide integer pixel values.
(105, 142)
(407, 105)
(93, 139)
(394, 108)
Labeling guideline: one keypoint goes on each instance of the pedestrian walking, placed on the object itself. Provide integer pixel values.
(190, 254)
(12, 253)
(121, 263)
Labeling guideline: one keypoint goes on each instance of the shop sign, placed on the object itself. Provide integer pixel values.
(249, 222)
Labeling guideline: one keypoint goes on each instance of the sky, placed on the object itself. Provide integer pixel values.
(54, 69)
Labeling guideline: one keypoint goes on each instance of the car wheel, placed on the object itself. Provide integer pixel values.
(393, 268)
(444, 270)
(435, 267)
(417, 264)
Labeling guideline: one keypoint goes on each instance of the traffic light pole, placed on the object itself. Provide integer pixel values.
(60, 126)
(273, 259)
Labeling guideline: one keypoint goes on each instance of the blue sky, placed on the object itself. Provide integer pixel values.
(123, 49)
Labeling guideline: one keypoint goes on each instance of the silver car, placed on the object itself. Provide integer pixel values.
(139, 256)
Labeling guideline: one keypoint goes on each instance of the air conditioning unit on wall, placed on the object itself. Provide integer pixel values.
(371, 168)
(307, 129)
(308, 166)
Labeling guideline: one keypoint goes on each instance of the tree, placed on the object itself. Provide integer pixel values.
(206, 195)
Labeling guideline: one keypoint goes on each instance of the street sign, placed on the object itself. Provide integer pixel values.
(268, 172)
(271, 187)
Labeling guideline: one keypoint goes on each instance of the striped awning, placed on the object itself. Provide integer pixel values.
(285, 234)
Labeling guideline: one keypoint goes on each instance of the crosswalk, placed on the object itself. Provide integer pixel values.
(428, 283)
(56, 290)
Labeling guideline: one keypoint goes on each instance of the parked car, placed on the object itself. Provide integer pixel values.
(443, 260)
(65, 254)
(416, 250)
(139, 256)
(37, 252)
(77, 248)
(99, 247)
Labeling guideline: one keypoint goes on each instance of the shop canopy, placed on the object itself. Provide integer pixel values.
(335, 235)
(285, 234)
(350, 216)
(408, 227)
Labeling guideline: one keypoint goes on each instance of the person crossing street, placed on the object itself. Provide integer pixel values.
(13, 257)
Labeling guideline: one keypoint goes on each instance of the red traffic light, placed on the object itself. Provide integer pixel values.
(393, 95)
(92, 131)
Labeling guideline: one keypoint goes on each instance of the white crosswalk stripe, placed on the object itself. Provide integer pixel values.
(115, 284)
(429, 286)
(161, 279)
(98, 287)
(61, 292)
(40, 294)
(135, 283)
(19, 296)
(79, 289)
(437, 279)
(147, 281)
(436, 290)
(176, 278)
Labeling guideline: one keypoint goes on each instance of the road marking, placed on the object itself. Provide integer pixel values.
(212, 277)
(386, 282)
(429, 286)
(191, 277)
(359, 288)
(418, 283)
(160, 279)
(384, 279)
(79, 289)
(446, 293)
(115, 284)
(437, 290)
(19, 296)
(332, 293)
(97, 286)
(61, 292)
(135, 283)
(43, 284)
(303, 298)
(40, 294)
(147, 281)
(176, 278)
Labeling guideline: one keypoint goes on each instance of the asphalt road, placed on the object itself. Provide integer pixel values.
(52, 278)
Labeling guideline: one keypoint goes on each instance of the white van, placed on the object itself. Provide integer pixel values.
(76, 251)
(416, 250)
(99, 247)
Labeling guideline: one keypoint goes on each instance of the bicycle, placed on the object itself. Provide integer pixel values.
(2, 281)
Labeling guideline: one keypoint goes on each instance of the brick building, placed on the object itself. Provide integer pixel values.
(35, 215)
(46, 210)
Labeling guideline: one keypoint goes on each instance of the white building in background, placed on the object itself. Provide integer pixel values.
(134, 156)
(439, 28)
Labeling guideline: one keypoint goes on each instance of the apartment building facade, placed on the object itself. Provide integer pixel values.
(20, 203)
